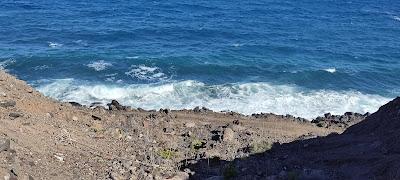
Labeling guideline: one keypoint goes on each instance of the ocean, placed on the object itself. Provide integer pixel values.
(299, 57)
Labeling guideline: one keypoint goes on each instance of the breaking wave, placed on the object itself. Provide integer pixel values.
(99, 65)
(143, 72)
(246, 98)
(5, 63)
(330, 70)
(54, 44)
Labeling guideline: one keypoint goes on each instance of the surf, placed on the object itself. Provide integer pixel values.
(245, 98)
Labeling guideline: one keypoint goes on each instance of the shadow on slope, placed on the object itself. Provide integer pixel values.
(367, 150)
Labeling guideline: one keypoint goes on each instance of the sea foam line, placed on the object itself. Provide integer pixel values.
(5, 63)
(246, 98)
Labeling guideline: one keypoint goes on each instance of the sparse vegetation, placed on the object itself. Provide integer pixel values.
(167, 153)
(96, 127)
(197, 144)
(260, 147)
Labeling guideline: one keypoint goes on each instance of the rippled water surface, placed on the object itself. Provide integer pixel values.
(299, 57)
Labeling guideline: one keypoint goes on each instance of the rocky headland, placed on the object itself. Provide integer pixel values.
(41, 138)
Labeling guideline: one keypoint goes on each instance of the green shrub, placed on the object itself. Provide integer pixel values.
(166, 153)
(260, 147)
(197, 144)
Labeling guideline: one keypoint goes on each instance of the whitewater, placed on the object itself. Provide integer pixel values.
(246, 98)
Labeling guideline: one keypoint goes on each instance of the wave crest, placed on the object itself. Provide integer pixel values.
(99, 65)
(330, 70)
(148, 73)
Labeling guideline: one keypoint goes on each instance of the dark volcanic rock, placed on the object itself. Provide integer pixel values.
(7, 103)
(96, 118)
(95, 104)
(386, 121)
(201, 110)
(165, 111)
(274, 116)
(15, 115)
(114, 105)
(345, 120)
(75, 104)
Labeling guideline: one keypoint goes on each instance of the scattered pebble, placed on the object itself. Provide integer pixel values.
(59, 157)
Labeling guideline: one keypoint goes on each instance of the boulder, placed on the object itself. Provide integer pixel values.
(114, 105)
(165, 111)
(96, 118)
(197, 109)
(14, 115)
(75, 104)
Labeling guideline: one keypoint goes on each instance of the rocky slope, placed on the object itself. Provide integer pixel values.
(367, 150)
(41, 138)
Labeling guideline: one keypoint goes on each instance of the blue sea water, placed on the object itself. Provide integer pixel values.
(299, 57)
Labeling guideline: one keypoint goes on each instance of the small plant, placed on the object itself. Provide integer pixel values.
(97, 128)
(197, 144)
(166, 153)
(261, 147)
(230, 172)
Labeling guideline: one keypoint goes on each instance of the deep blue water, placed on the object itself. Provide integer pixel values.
(300, 57)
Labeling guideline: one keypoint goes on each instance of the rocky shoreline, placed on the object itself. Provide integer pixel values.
(327, 120)
(41, 138)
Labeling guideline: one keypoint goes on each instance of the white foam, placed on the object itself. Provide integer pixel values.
(99, 65)
(82, 42)
(397, 18)
(330, 70)
(132, 57)
(112, 78)
(245, 98)
(146, 73)
(54, 44)
(5, 63)
(41, 67)
(237, 45)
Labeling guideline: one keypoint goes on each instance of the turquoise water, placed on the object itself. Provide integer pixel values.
(298, 57)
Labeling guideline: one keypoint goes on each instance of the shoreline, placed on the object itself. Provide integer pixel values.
(242, 97)
(345, 120)
(42, 138)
